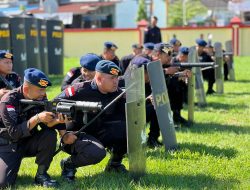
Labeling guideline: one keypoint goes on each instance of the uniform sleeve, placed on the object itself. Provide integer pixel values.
(9, 115)
(67, 93)
(65, 82)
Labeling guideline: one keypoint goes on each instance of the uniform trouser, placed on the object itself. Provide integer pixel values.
(225, 71)
(175, 94)
(209, 75)
(42, 144)
(112, 134)
(151, 118)
(85, 151)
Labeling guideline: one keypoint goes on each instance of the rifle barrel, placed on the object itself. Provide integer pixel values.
(201, 64)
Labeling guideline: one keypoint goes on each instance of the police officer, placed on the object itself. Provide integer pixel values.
(208, 74)
(70, 77)
(179, 86)
(19, 133)
(8, 78)
(163, 52)
(109, 53)
(110, 127)
(148, 50)
(151, 118)
(176, 45)
(88, 63)
(136, 50)
(153, 33)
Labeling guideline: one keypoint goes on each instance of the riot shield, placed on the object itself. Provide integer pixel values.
(191, 57)
(18, 44)
(4, 33)
(55, 46)
(32, 43)
(199, 83)
(162, 105)
(136, 120)
(229, 50)
(42, 34)
(219, 70)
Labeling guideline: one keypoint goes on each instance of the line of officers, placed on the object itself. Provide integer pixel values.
(31, 132)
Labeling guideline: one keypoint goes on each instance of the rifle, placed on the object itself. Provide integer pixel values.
(190, 65)
(8, 86)
(66, 107)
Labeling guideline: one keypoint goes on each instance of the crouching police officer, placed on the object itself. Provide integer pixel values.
(88, 63)
(8, 78)
(19, 133)
(109, 128)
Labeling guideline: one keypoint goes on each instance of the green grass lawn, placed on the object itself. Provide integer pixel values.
(214, 153)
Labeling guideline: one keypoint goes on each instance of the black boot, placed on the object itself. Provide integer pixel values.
(68, 169)
(42, 177)
(115, 164)
(153, 142)
(178, 120)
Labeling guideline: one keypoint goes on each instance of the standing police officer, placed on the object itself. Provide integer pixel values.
(8, 79)
(109, 128)
(208, 74)
(19, 133)
(153, 33)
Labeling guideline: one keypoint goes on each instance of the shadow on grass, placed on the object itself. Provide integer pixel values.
(202, 149)
(227, 107)
(238, 93)
(148, 181)
(241, 81)
(209, 150)
(105, 180)
(216, 127)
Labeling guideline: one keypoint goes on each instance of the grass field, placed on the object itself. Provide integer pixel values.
(214, 153)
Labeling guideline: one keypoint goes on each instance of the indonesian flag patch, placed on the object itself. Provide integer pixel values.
(70, 91)
(10, 108)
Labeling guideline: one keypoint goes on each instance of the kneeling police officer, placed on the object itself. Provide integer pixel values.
(109, 129)
(19, 133)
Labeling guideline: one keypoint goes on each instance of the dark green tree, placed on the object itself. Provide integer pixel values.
(141, 14)
(192, 8)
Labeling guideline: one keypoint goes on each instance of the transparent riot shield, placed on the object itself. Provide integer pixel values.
(135, 120)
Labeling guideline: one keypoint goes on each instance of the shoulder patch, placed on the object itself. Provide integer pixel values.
(10, 108)
(70, 91)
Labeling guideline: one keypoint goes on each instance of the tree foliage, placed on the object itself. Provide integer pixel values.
(141, 14)
(193, 8)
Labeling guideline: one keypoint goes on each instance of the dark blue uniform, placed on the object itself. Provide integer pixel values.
(110, 127)
(16, 141)
(152, 34)
(125, 62)
(115, 60)
(13, 79)
(208, 74)
(71, 75)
